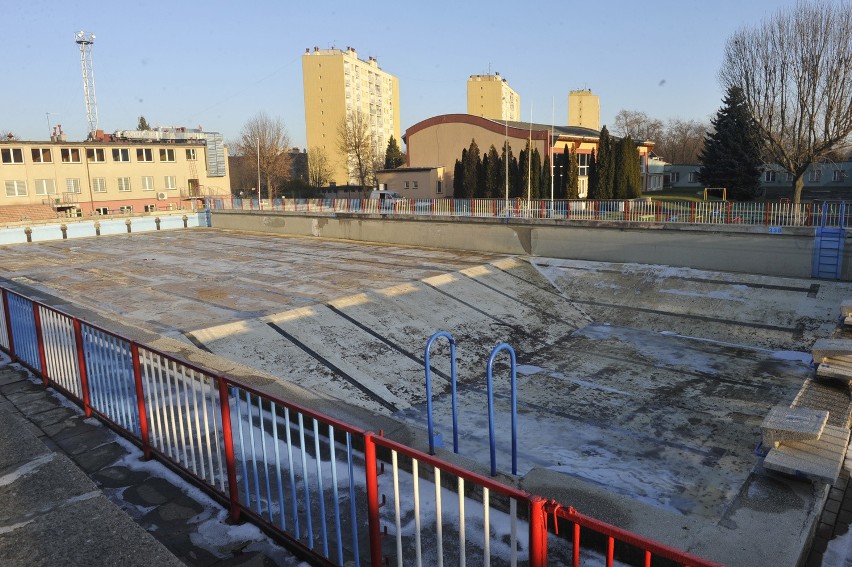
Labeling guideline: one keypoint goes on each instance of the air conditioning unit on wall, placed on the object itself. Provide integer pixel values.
(161, 196)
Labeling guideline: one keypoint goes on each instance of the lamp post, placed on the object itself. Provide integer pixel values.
(259, 202)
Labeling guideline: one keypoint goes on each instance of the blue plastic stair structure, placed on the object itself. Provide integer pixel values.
(828, 246)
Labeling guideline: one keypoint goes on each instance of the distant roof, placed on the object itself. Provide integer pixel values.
(577, 131)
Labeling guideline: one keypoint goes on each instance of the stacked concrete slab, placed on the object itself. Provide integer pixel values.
(811, 437)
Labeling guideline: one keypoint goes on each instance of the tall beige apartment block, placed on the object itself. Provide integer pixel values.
(338, 84)
(490, 96)
(584, 109)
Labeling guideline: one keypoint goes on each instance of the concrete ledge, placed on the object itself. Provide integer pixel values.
(846, 307)
(825, 348)
(784, 423)
(818, 460)
(836, 368)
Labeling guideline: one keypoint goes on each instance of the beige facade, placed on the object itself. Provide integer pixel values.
(584, 109)
(440, 140)
(413, 182)
(337, 84)
(490, 96)
(108, 176)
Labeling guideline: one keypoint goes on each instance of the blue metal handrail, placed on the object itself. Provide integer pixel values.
(494, 353)
(428, 370)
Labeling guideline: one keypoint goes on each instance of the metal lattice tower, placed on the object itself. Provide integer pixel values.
(85, 41)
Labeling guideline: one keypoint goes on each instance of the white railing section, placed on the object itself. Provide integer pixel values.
(60, 350)
(184, 421)
(635, 210)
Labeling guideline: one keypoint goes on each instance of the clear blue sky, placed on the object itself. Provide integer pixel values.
(216, 63)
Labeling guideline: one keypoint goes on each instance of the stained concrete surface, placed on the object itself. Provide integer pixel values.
(644, 382)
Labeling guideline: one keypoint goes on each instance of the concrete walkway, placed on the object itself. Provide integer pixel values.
(74, 493)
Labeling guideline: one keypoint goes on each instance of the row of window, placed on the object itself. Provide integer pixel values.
(93, 155)
(18, 188)
(770, 176)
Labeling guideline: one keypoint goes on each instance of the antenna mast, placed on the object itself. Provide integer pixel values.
(85, 41)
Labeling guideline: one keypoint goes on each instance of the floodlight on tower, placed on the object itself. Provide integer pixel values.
(85, 41)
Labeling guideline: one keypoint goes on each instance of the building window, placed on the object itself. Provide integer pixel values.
(125, 209)
(675, 176)
(124, 184)
(99, 184)
(72, 185)
(583, 165)
(95, 155)
(170, 182)
(45, 187)
(120, 154)
(406, 185)
(788, 177)
(150, 208)
(12, 155)
(815, 174)
(693, 177)
(147, 183)
(144, 154)
(15, 188)
(439, 187)
(838, 175)
(101, 211)
(414, 186)
(42, 155)
(190, 154)
(70, 155)
(167, 154)
(769, 176)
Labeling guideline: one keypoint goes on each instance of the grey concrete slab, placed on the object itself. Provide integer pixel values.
(814, 459)
(90, 532)
(846, 308)
(784, 423)
(827, 348)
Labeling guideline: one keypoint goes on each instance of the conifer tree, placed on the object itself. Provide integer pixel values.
(731, 156)
(563, 161)
(459, 189)
(494, 173)
(393, 155)
(471, 162)
(546, 174)
(515, 175)
(535, 172)
(628, 175)
(594, 192)
(605, 165)
(573, 176)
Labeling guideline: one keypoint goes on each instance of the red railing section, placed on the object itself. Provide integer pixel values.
(218, 393)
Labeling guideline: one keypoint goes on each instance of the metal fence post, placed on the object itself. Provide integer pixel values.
(228, 438)
(538, 532)
(40, 340)
(372, 479)
(9, 325)
(140, 402)
(81, 364)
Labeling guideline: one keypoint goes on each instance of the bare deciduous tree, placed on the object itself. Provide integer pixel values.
(795, 70)
(637, 125)
(266, 137)
(682, 140)
(355, 140)
(319, 167)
